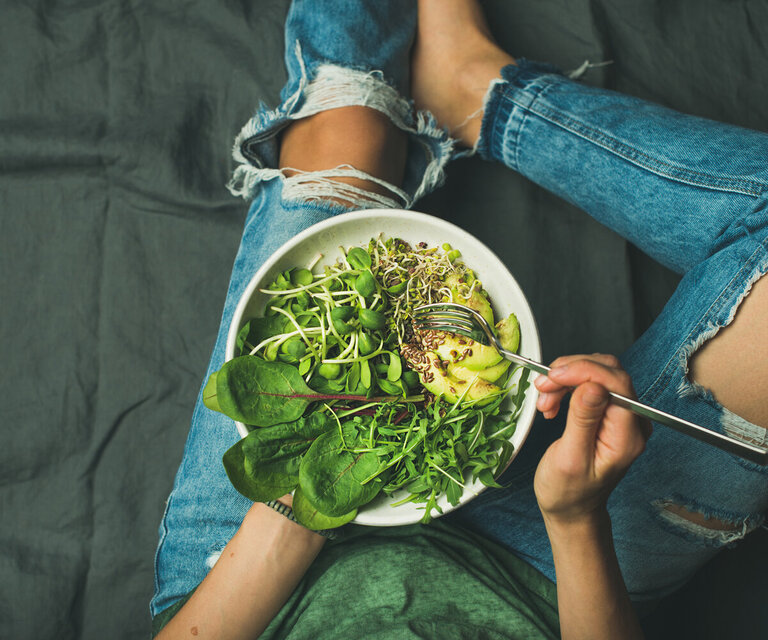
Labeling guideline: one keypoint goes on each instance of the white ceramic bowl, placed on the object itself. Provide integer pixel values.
(356, 229)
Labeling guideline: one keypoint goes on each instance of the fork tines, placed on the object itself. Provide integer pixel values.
(446, 316)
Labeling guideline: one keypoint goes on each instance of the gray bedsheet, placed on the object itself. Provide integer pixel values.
(117, 237)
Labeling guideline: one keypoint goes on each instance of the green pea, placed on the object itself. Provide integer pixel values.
(454, 255)
(366, 343)
(372, 319)
(329, 370)
(359, 258)
(301, 277)
(365, 285)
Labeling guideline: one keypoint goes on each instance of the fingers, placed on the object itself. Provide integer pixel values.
(576, 371)
(552, 390)
(595, 425)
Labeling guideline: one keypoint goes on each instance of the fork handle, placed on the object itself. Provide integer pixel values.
(753, 453)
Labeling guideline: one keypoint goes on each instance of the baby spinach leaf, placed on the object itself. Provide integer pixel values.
(311, 518)
(301, 277)
(365, 285)
(209, 394)
(389, 387)
(365, 374)
(265, 464)
(395, 367)
(256, 330)
(330, 476)
(359, 258)
(251, 390)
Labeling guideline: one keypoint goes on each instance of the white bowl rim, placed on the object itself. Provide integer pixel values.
(532, 346)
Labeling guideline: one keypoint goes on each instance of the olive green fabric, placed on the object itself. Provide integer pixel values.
(434, 582)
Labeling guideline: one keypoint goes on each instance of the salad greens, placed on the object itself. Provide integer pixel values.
(336, 413)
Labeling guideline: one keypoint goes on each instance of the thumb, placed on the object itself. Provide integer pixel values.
(586, 410)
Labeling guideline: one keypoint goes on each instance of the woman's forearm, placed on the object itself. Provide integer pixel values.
(254, 576)
(592, 599)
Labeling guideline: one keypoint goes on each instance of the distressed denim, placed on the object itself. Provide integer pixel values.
(338, 53)
(692, 194)
(689, 192)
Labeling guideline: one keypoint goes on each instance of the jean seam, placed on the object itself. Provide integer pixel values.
(621, 149)
(534, 89)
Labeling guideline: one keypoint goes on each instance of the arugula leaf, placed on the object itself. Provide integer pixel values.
(265, 464)
(331, 476)
(311, 518)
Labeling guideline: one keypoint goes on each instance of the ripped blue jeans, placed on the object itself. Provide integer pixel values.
(689, 192)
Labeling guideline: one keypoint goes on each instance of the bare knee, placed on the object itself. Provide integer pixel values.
(733, 365)
(355, 146)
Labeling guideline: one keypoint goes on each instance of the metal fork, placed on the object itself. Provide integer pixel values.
(457, 318)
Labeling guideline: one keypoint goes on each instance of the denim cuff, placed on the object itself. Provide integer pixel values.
(504, 110)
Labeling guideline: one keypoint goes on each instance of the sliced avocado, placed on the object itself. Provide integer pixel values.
(491, 374)
(470, 353)
(437, 380)
(476, 301)
(509, 333)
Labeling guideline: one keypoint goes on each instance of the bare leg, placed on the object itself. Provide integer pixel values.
(358, 136)
(734, 364)
(454, 60)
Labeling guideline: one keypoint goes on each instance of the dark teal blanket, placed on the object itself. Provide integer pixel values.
(117, 237)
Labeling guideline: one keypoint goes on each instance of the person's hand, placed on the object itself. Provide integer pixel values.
(600, 441)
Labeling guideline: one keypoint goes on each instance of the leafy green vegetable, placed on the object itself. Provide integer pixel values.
(255, 331)
(328, 342)
(260, 393)
(311, 518)
(265, 464)
(372, 319)
(331, 477)
(359, 258)
(209, 394)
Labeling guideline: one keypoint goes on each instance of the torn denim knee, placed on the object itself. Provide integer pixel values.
(329, 86)
(703, 524)
(732, 424)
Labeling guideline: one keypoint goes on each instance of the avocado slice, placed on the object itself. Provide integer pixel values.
(470, 353)
(508, 330)
(491, 374)
(438, 381)
(476, 301)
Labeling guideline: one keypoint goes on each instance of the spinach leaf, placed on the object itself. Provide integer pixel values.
(330, 475)
(209, 394)
(265, 464)
(260, 393)
(311, 518)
